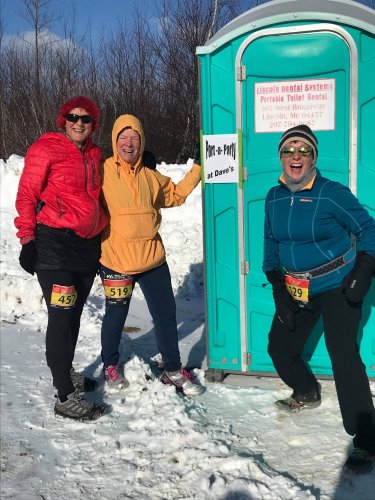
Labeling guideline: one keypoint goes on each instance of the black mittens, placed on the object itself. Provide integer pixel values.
(197, 153)
(357, 283)
(149, 160)
(285, 306)
(28, 257)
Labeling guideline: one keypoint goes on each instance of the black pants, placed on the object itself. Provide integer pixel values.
(341, 321)
(63, 323)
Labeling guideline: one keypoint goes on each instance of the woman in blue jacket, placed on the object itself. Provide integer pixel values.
(312, 263)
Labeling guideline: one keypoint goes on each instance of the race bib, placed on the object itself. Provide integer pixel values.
(118, 288)
(63, 296)
(298, 288)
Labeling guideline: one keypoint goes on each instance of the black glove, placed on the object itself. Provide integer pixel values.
(28, 257)
(357, 283)
(149, 160)
(285, 305)
(197, 153)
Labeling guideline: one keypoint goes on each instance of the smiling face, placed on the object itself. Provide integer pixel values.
(128, 145)
(78, 132)
(297, 164)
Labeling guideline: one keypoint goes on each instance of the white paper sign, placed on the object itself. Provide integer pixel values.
(220, 156)
(281, 105)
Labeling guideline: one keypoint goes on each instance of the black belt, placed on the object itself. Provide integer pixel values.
(321, 270)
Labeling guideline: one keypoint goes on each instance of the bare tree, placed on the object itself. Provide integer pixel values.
(146, 67)
(184, 25)
(37, 13)
(2, 88)
(129, 72)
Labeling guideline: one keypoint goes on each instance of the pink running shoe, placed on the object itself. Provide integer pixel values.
(182, 381)
(114, 378)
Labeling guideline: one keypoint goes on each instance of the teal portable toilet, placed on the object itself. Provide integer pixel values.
(280, 64)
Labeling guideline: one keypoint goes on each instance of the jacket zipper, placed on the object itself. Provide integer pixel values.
(92, 173)
(289, 219)
(87, 191)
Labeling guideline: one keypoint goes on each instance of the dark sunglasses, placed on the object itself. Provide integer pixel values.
(74, 118)
(303, 151)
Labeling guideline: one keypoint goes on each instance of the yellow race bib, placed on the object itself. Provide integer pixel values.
(63, 296)
(118, 288)
(298, 288)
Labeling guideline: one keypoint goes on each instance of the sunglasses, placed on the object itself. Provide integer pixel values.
(74, 118)
(302, 150)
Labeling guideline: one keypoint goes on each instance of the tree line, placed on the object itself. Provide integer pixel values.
(145, 66)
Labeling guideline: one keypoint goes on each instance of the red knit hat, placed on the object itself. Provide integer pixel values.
(79, 101)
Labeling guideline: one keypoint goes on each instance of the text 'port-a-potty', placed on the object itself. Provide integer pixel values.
(276, 66)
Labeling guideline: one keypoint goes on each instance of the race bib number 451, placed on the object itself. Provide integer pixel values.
(63, 296)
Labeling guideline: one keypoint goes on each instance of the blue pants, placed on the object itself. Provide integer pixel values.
(157, 290)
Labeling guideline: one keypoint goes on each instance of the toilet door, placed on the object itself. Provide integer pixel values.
(289, 76)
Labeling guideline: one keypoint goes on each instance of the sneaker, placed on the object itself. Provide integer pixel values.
(82, 383)
(114, 378)
(360, 461)
(78, 408)
(182, 381)
(298, 402)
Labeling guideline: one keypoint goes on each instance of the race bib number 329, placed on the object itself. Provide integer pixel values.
(63, 296)
(298, 288)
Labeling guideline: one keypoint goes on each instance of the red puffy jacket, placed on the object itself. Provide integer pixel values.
(65, 181)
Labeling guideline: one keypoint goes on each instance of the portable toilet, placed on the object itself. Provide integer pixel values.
(280, 64)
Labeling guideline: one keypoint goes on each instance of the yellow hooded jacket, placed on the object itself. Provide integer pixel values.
(134, 196)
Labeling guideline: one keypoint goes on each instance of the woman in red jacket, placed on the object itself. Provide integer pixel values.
(59, 225)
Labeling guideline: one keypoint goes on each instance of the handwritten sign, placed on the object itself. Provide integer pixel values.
(220, 156)
(281, 105)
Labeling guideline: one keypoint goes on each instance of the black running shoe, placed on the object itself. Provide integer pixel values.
(360, 461)
(298, 402)
(77, 407)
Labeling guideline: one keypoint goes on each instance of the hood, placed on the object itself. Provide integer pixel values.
(125, 121)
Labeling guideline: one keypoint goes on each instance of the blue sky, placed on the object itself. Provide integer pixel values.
(101, 13)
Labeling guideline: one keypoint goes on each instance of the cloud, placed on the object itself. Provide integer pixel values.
(26, 41)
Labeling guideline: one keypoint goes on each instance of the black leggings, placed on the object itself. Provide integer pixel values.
(341, 320)
(63, 322)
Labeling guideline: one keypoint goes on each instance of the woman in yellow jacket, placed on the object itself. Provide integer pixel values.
(133, 251)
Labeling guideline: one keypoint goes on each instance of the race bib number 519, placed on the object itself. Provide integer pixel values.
(118, 289)
(63, 296)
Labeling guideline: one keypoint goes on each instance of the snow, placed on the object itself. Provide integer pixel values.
(230, 443)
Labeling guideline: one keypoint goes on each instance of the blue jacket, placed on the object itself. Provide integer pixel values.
(311, 227)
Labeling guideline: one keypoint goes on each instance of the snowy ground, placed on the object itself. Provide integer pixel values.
(230, 443)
